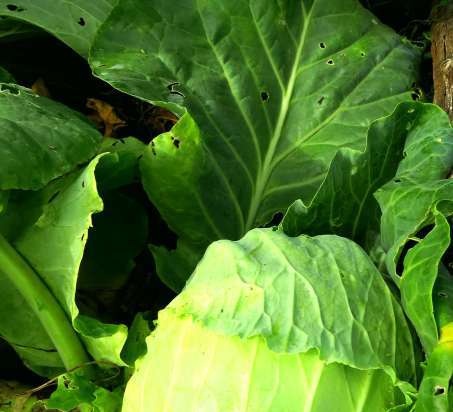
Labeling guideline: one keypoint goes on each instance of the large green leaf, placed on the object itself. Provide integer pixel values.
(242, 288)
(74, 22)
(265, 321)
(52, 239)
(40, 139)
(272, 91)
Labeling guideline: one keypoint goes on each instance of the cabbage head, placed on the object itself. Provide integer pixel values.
(272, 323)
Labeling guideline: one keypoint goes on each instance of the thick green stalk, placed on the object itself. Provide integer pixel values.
(44, 304)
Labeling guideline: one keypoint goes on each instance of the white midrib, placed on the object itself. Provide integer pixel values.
(266, 169)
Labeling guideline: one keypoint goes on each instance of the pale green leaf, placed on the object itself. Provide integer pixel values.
(274, 323)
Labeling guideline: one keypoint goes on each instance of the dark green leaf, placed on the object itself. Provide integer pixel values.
(40, 139)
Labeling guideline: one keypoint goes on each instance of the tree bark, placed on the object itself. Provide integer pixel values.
(442, 53)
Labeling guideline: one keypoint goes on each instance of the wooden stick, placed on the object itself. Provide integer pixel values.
(442, 53)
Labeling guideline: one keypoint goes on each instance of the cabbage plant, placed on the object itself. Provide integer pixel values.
(278, 323)
(289, 226)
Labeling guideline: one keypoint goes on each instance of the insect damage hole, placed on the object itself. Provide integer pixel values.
(322, 45)
(264, 96)
(172, 89)
(13, 7)
(321, 100)
(81, 22)
(439, 390)
(176, 142)
(330, 62)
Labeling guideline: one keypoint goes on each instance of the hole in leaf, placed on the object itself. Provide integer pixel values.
(322, 45)
(83, 183)
(439, 390)
(172, 89)
(153, 151)
(321, 100)
(416, 93)
(81, 22)
(442, 295)
(264, 96)
(362, 54)
(13, 7)
(176, 142)
(397, 180)
(330, 61)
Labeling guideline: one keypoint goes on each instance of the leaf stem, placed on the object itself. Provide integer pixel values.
(44, 305)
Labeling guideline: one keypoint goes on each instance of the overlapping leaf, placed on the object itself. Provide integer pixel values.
(75, 22)
(52, 239)
(40, 139)
(344, 203)
(272, 91)
(421, 195)
(242, 288)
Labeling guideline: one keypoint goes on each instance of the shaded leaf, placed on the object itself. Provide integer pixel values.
(40, 139)
(53, 242)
